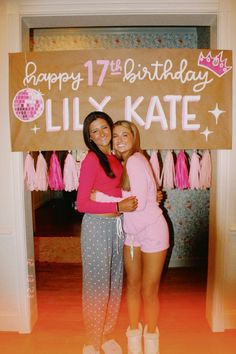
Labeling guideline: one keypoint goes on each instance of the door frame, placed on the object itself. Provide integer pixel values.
(218, 212)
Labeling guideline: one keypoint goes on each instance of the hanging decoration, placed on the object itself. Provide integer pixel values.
(181, 175)
(70, 173)
(205, 170)
(194, 171)
(168, 172)
(181, 171)
(155, 167)
(41, 173)
(29, 173)
(55, 180)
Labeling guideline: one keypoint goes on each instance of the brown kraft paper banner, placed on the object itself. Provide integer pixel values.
(178, 98)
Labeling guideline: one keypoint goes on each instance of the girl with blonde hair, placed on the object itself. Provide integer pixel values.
(146, 239)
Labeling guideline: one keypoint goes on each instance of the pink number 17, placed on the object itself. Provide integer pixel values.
(89, 65)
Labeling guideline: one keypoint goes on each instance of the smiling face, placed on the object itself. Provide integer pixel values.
(123, 140)
(100, 134)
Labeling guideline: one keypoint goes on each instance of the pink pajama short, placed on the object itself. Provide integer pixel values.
(154, 238)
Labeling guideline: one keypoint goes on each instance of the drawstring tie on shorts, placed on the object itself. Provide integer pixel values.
(132, 247)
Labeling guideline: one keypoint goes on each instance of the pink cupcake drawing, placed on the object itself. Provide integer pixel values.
(28, 105)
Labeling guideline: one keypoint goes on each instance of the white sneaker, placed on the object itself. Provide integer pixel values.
(134, 337)
(151, 342)
(111, 347)
(89, 349)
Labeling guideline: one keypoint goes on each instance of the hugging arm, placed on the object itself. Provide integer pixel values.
(124, 204)
(84, 203)
(138, 180)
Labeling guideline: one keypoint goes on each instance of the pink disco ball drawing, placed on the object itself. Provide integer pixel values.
(28, 105)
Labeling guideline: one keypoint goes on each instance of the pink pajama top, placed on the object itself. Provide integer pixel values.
(143, 186)
(93, 177)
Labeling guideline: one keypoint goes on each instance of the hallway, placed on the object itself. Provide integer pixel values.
(59, 329)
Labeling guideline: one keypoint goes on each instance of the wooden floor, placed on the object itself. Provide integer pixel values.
(59, 329)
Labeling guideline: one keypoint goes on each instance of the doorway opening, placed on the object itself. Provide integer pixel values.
(120, 20)
(187, 211)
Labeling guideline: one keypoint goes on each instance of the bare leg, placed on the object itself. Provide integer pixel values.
(133, 289)
(152, 266)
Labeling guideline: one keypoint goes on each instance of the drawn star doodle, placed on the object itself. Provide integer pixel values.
(216, 112)
(207, 132)
(35, 129)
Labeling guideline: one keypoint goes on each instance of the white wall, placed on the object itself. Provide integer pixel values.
(17, 286)
(221, 289)
(230, 246)
(15, 299)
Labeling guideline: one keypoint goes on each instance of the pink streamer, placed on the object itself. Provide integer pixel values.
(181, 171)
(194, 171)
(70, 173)
(41, 173)
(168, 171)
(155, 167)
(29, 173)
(205, 170)
(55, 174)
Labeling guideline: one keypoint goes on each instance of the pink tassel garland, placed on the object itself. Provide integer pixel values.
(41, 173)
(155, 167)
(29, 173)
(194, 171)
(199, 176)
(168, 171)
(205, 170)
(55, 174)
(70, 173)
(181, 171)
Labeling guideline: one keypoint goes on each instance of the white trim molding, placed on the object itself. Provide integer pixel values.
(131, 7)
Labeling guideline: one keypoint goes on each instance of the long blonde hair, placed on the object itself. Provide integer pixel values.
(125, 184)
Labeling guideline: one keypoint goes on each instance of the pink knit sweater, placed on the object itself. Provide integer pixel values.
(143, 186)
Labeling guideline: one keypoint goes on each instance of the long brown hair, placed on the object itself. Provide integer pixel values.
(135, 148)
(91, 117)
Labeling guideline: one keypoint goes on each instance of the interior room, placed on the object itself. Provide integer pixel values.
(41, 287)
(187, 210)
